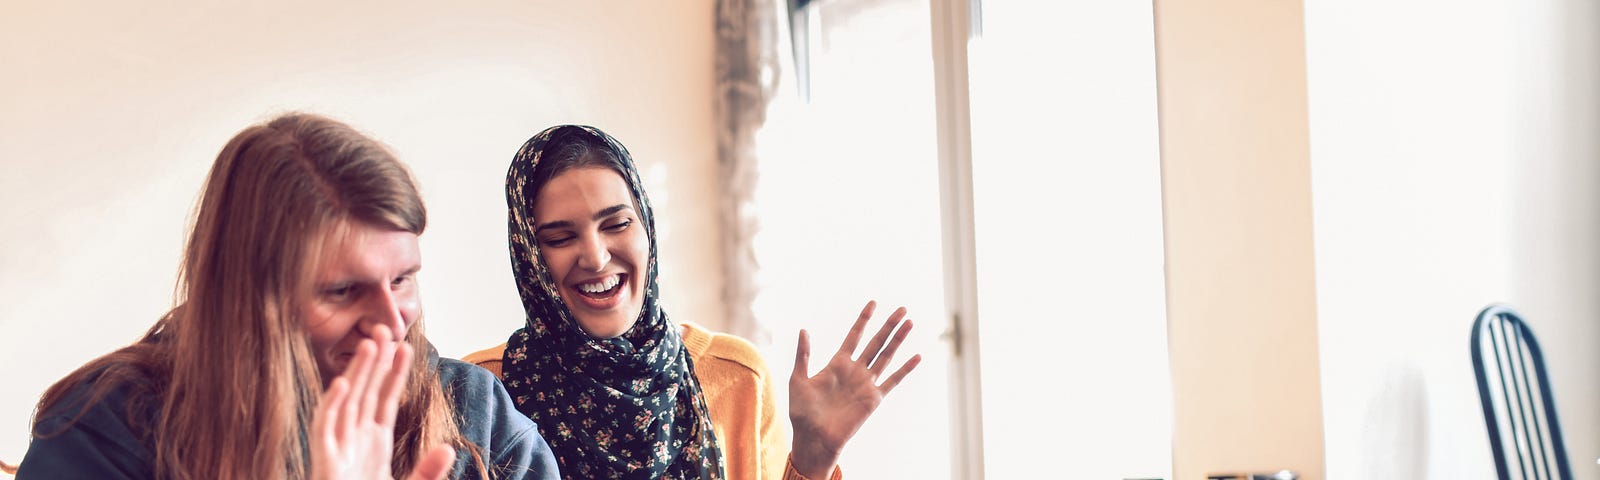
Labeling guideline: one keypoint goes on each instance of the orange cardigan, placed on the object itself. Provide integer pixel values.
(738, 390)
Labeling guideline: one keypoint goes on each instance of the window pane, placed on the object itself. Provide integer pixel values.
(849, 204)
(1067, 207)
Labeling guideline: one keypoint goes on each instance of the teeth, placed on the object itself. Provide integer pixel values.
(600, 286)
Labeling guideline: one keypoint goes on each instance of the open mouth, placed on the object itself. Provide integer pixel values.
(599, 292)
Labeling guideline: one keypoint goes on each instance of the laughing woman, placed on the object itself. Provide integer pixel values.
(296, 349)
(618, 388)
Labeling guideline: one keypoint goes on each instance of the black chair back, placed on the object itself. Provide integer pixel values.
(1518, 407)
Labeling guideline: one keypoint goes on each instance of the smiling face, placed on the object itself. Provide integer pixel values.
(365, 279)
(594, 247)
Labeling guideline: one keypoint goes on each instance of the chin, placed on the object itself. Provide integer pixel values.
(607, 332)
(604, 328)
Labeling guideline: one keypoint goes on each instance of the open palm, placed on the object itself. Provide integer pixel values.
(352, 433)
(829, 407)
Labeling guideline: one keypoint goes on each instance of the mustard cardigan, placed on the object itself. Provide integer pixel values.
(738, 390)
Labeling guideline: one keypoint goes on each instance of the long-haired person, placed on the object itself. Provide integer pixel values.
(296, 348)
(618, 388)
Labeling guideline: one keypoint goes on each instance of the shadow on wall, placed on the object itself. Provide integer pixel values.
(1396, 428)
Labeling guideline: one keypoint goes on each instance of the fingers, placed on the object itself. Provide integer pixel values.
(871, 352)
(375, 380)
(882, 361)
(394, 386)
(435, 465)
(802, 356)
(322, 424)
(357, 374)
(372, 394)
(353, 427)
(854, 338)
(900, 374)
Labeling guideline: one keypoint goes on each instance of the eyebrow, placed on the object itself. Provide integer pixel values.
(348, 279)
(412, 271)
(603, 213)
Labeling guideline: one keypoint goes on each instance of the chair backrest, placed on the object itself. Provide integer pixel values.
(1518, 407)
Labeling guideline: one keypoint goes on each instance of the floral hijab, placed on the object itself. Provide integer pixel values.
(625, 407)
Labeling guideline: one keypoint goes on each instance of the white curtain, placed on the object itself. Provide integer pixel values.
(747, 71)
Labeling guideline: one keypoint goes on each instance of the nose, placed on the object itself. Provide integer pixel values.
(384, 310)
(593, 254)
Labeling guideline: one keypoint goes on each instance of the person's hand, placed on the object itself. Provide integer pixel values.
(827, 409)
(352, 434)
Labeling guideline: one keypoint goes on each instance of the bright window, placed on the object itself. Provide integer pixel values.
(849, 208)
(1065, 178)
(1066, 175)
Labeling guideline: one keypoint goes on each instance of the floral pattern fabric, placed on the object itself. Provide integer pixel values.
(625, 407)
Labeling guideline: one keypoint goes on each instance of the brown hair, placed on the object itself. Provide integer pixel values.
(277, 191)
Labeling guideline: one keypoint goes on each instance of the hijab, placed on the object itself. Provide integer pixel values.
(625, 407)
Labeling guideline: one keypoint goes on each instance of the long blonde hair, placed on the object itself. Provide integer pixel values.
(230, 366)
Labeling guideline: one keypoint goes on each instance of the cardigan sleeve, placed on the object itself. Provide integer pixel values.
(789, 473)
(774, 437)
(772, 456)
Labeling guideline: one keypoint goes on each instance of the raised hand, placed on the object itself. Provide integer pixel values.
(352, 434)
(828, 408)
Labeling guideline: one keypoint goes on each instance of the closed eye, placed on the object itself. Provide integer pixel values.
(338, 293)
(554, 242)
(619, 226)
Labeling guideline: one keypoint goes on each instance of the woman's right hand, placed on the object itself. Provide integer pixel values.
(828, 408)
(352, 434)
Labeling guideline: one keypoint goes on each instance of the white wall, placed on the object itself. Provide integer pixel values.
(1454, 164)
(111, 113)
